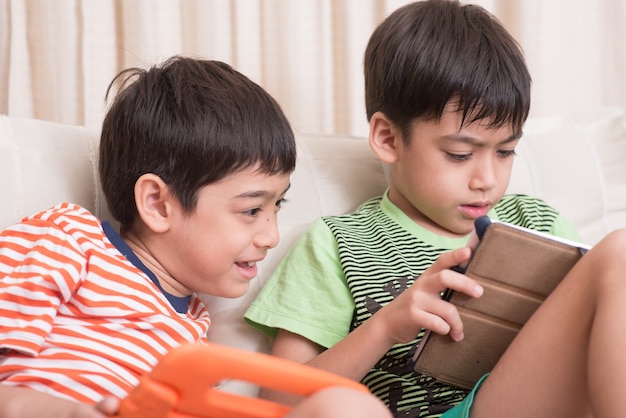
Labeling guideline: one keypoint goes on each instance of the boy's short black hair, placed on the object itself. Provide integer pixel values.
(191, 122)
(426, 54)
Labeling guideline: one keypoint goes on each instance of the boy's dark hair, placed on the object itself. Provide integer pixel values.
(191, 122)
(427, 53)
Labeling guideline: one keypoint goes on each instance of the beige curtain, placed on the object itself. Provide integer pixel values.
(58, 56)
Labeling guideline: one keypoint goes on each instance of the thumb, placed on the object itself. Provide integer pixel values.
(108, 406)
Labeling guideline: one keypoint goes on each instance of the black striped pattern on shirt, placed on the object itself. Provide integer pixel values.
(380, 259)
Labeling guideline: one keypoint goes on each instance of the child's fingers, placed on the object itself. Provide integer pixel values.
(450, 259)
(440, 276)
(459, 282)
(440, 317)
(422, 306)
(108, 406)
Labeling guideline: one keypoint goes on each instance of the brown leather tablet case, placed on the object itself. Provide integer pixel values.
(518, 269)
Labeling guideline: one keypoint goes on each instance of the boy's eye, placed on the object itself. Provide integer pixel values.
(458, 157)
(252, 212)
(505, 153)
(280, 202)
(256, 211)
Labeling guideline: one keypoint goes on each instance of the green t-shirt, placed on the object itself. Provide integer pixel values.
(344, 268)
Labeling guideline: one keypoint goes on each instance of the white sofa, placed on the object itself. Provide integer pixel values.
(575, 162)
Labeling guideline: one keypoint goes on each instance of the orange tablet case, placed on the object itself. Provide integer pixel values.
(183, 384)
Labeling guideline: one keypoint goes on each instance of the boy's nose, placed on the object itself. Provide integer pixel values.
(268, 236)
(484, 177)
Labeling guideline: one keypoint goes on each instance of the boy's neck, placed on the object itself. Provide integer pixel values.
(167, 281)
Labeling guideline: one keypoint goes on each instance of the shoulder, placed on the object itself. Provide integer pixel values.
(67, 224)
(523, 202)
(66, 216)
(367, 209)
(527, 211)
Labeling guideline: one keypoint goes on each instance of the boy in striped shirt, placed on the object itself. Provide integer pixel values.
(195, 160)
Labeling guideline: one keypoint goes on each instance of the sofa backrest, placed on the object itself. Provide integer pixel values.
(577, 163)
(43, 163)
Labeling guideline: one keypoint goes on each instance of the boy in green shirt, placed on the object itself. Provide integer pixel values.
(447, 94)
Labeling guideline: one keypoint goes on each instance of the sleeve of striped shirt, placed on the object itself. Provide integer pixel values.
(40, 268)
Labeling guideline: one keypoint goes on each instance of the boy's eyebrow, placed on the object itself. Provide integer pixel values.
(260, 193)
(472, 140)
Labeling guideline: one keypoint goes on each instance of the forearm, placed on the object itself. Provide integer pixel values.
(355, 355)
(352, 357)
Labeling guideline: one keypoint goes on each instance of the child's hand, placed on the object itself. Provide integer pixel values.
(421, 305)
(106, 408)
(109, 406)
(27, 403)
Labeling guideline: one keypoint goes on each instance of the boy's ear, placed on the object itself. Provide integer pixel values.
(154, 202)
(384, 138)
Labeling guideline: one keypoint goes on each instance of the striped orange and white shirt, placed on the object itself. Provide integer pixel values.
(80, 316)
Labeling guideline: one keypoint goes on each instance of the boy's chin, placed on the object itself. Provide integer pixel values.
(456, 228)
(236, 290)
